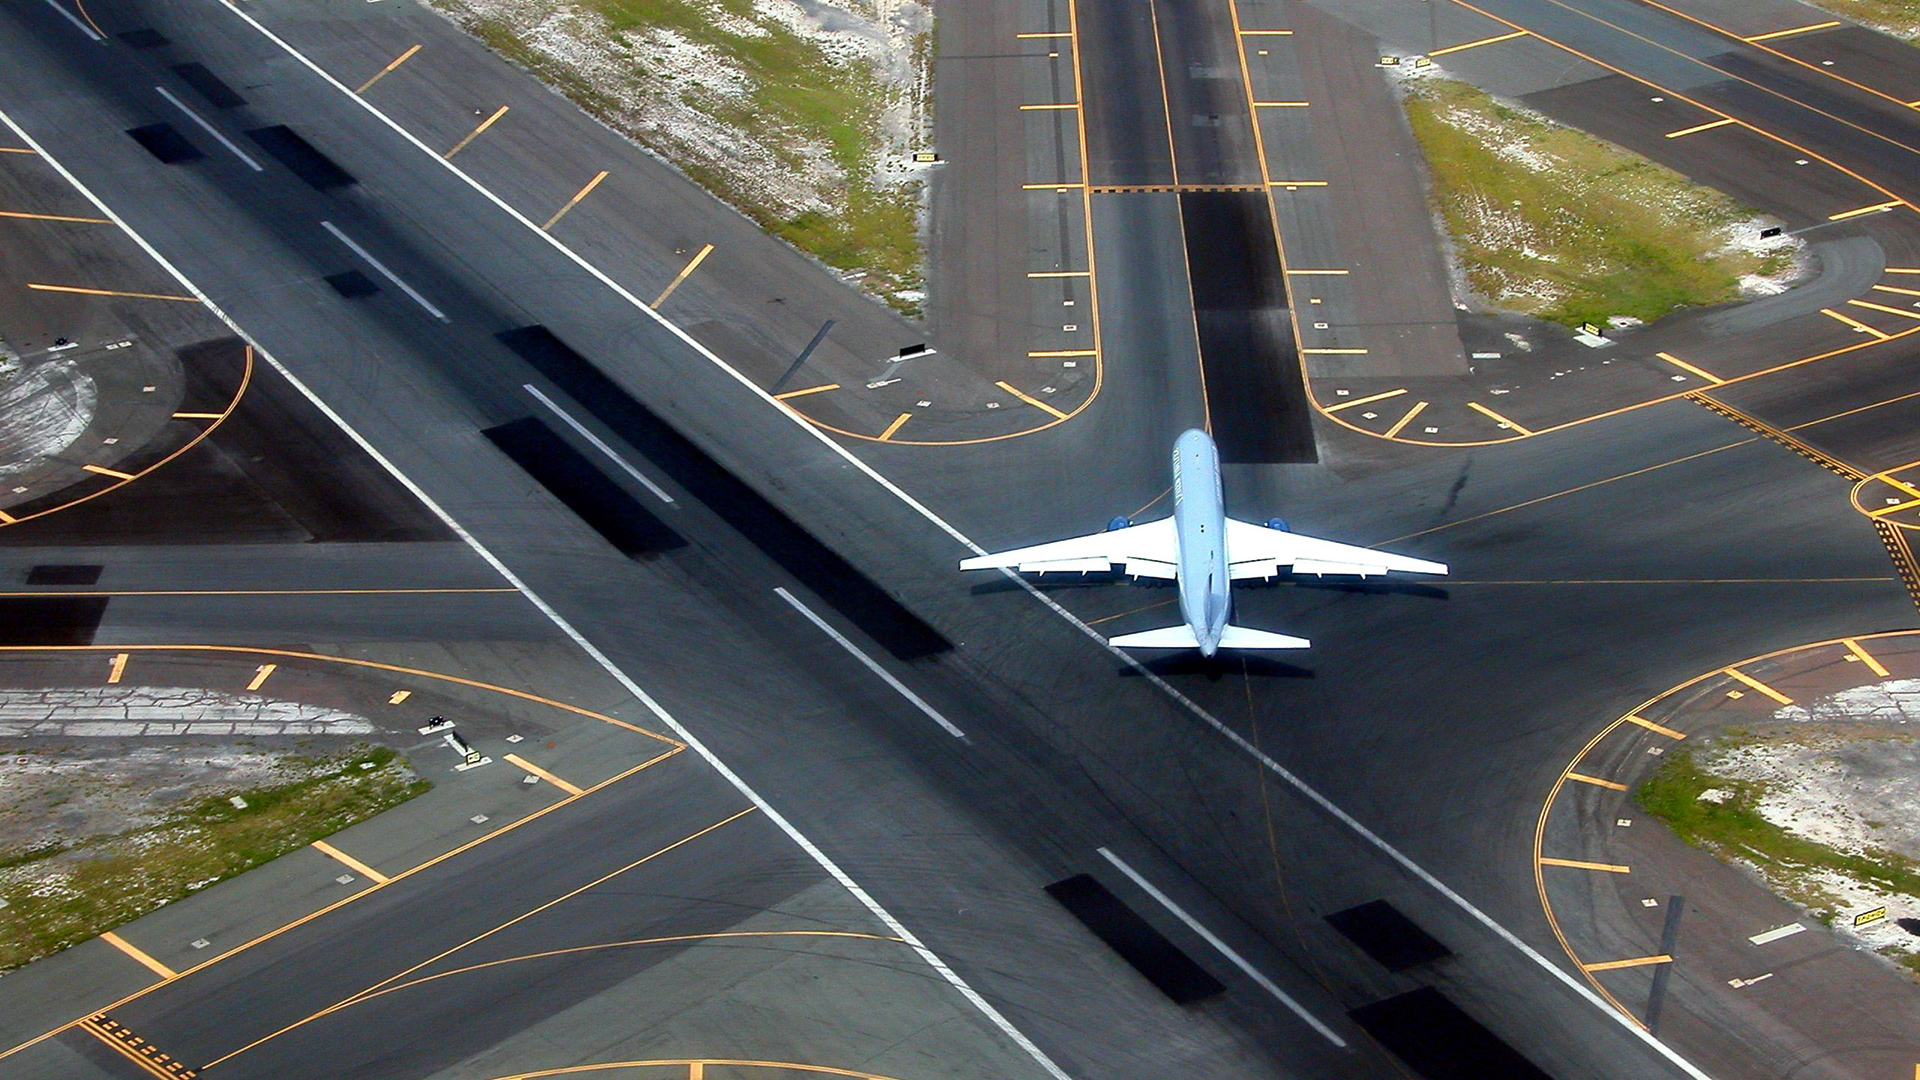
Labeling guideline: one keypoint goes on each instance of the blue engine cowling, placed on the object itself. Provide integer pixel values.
(1119, 523)
(1277, 523)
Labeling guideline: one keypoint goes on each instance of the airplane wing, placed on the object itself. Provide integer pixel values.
(1147, 550)
(1255, 551)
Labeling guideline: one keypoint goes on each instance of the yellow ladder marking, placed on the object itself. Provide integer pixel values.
(1708, 126)
(1497, 418)
(1856, 323)
(1611, 868)
(1363, 400)
(1684, 366)
(138, 955)
(1866, 658)
(349, 861)
(544, 775)
(1891, 289)
(475, 133)
(1596, 781)
(1882, 307)
(1477, 44)
(1760, 686)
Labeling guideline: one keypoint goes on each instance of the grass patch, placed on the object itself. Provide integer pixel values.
(1553, 222)
(798, 104)
(1736, 828)
(56, 899)
(1901, 18)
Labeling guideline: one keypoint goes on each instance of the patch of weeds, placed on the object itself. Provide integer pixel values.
(1556, 223)
(109, 881)
(1899, 17)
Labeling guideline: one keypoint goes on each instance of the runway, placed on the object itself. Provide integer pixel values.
(662, 497)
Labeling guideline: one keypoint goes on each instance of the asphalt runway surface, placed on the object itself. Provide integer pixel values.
(1402, 760)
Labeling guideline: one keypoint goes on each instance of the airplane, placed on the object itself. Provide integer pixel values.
(1203, 551)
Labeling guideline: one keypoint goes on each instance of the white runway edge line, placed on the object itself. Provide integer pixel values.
(1393, 853)
(1225, 950)
(384, 272)
(567, 418)
(75, 20)
(209, 129)
(858, 654)
(895, 926)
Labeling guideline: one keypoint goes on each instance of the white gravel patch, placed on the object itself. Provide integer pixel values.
(43, 411)
(117, 712)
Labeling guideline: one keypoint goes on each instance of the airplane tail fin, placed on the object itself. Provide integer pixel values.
(1243, 637)
(1167, 637)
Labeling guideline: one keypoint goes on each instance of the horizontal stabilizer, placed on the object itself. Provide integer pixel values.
(1243, 637)
(1167, 637)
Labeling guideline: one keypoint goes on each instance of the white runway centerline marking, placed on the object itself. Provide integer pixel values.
(577, 426)
(1777, 933)
(858, 654)
(384, 272)
(1225, 950)
(209, 129)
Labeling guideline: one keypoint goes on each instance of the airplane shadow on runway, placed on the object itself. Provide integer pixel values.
(1189, 663)
(1372, 588)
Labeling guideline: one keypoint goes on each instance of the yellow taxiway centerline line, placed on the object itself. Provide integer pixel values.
(575, 201)
(1638, 961)
(1611, 868)
(1363, 400)
(475, 133)
(1030, 399)
(350, 862)
(821, 389)
(1856, 324)
(1684, 366)
(1596, 781)
(693, 264)
(1477, 44)
(1865, 657)
(1760, 686)
(1497, 418)
(1795, 30)
(385, 71)
(124, 1050)
(571, 789)
(1709, 126)
(138, 956)
(111, 292)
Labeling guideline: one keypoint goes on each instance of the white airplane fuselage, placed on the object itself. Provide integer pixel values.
(1200, 571)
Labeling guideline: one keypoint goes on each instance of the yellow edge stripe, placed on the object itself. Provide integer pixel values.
(110, 292)
(571, 789)
(475, 133)
(1885, 308)
(822, 388)
(1856, 323)
(1760, 686)
(1638, 961)
(140, 957)
(383, 72)
(1658, 728)
(54, 217)
(575, 201)
(1363, 400)
(1866, 657)
(1596, 781)
(1684, 366)
(898, 421)
(1030, 399)
(1722, 122)
(1845, 214)
(1611, 868)
(691, 266)
(1497, 418)
(349, 862)
(1795, 30)
(1401, 423)
(1477, 44)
